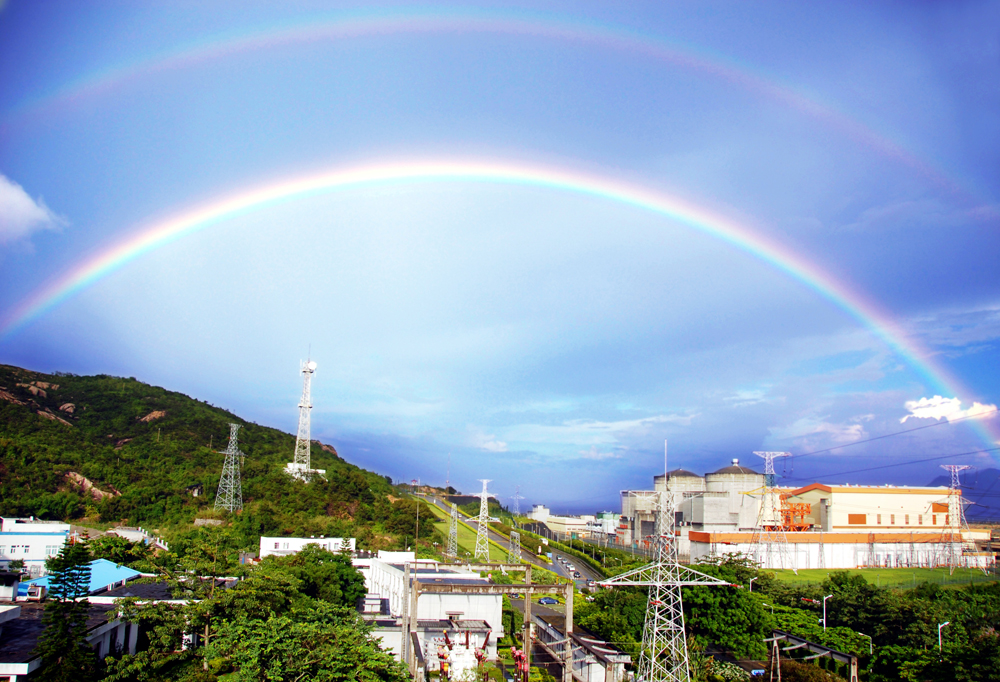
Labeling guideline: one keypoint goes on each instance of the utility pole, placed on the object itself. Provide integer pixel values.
(301, 466)
(453, 533)
(482, 530)
(514, 550)
(664, 654)
(230, 494)
(769, 542)
(956, 515)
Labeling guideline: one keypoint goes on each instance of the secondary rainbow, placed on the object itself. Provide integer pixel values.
(159, 233)
(604, 35)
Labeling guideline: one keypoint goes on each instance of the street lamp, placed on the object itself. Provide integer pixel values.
(871, 649)
(824, 610)
(947, 622)
(751, 582)
(772, 608)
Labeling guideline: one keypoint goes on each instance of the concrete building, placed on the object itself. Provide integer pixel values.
(539, 512)
(21, 626)
(31, 540)
(285, 546)
(828, 526)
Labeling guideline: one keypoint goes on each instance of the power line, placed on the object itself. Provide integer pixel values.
(895, 464)
(895, 433)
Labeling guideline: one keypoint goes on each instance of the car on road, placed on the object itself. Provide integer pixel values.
(576, 574)
(548, 600)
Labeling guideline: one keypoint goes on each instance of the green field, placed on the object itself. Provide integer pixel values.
(466, 536)
(892, 577)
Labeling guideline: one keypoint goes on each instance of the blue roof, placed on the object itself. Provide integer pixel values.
(103, 574)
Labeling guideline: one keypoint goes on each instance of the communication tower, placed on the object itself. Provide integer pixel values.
(453, 533)
(301, 467)
(956, 514)
(230, 495)
(664, 654)
(514, 549)
(482, 526)
(769, 542)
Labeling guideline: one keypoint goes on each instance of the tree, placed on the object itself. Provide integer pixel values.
(315, 641)
(324, 575)
(119, 550)
(62, 647)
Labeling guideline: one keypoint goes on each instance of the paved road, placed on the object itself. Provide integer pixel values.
(585, 571)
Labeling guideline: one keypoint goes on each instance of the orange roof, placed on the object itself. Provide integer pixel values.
(870, 489)
(813, 536)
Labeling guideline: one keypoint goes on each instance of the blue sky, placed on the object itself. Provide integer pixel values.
(544, 339)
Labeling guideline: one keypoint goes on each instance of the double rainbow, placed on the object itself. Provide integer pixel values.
(673, 208)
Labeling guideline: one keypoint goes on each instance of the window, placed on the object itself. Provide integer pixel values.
(934, 519)
(907, 519)
(920, 519)
(276, 545)
(51, 550)
(25, 549)
(857, 519)
(3, 550)
(286, 545)
(892, 519)
(878, 518)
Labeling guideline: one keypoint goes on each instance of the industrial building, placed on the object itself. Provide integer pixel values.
(826, 526)
(284, 546)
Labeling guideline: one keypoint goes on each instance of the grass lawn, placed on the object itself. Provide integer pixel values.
(466, 537)
(891, 577)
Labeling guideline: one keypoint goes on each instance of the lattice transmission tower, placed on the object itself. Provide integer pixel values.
(482, 526)
(514, 549)
(301, 466)
(230, 495)
(453, 533)
(516, 497)
(956, 514)
(664, 655)
(769, 542)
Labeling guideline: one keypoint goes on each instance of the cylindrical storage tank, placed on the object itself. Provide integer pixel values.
(733, 478)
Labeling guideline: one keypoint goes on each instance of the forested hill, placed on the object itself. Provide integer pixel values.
(103, 449)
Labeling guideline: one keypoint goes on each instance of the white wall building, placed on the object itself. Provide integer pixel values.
(286, 546)
(31, 540)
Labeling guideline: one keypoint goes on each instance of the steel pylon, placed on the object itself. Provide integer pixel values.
(453, 532)
(956, 515)
(664, 655)
(482, 526)
(303, 442)
(514, 549)
(230, 494)
(769, 543)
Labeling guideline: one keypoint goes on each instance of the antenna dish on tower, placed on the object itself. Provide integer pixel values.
(311, 365)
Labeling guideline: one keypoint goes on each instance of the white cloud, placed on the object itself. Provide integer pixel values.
(939, 407)
(595, 454)
(590, 432)
(488, 442)
(20, 215)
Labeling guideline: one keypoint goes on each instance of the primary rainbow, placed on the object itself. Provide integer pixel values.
(163, 232)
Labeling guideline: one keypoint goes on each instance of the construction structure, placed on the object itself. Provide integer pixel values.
(452, 550)
(301, 465)
(770, 544)
(482, 552)
(230, 495)
(514, 548)
(664, 655)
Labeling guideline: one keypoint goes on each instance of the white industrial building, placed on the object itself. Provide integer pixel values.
(826, 526)
(447, 629)
(31, 540)
(286, 546)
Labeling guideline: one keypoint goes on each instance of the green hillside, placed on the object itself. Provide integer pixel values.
(143, 448)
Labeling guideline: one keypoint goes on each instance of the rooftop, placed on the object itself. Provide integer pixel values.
(103, 574)
(21, 635)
